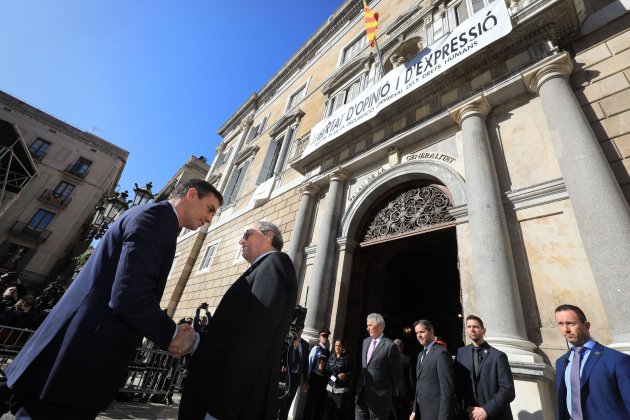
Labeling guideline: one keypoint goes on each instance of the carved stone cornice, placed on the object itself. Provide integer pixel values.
(477, 105)
(309, 189)
(246, 153)
(346, 72)
(287, 120)
(559, 65)
(338, 174)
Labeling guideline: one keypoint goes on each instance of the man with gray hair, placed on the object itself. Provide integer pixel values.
(381, 372)
(234, 373)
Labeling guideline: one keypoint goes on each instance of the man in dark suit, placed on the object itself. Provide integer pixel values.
(435, 385)
(381, 373)
(294, 370)
(114, 302)
(483, 376)
(234, 373)
(593, 381)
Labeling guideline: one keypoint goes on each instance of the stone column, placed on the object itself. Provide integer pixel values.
(302, 226)
(216, 159)
(245, 126)
(601, 210)
(317, 315)
(493, 265)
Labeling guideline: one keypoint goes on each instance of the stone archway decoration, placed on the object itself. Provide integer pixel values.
(410, 211)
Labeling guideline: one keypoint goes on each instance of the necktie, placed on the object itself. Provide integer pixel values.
(477, 358)
(370, 351)
(576, 400)
(424, 353)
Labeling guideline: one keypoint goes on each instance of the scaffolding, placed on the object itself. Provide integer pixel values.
(17, 167)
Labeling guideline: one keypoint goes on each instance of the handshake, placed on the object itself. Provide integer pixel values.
(183, 342)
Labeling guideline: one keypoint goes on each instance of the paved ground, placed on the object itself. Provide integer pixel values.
(133, 410)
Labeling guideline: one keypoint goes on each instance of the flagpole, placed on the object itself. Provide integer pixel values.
(380, 58)
(369, 14)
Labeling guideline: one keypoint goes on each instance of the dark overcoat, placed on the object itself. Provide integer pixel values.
(234, 373)
(79, 355)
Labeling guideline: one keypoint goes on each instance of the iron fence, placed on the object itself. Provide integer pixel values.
(151, 373)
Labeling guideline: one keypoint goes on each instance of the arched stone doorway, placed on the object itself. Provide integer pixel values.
(413, 272)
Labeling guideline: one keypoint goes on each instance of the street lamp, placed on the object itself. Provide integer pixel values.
(111, 207)
(143, 195)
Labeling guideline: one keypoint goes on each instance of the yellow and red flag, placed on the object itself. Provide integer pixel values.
(371, 23)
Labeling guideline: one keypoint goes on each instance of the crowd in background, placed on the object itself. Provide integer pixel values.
(18, 309)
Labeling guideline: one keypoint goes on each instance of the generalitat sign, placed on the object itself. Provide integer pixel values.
(480, 30)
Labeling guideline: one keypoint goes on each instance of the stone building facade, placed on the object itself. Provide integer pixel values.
(41, 227)
(495, 186)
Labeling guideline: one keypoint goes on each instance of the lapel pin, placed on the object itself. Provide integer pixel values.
(597, 353)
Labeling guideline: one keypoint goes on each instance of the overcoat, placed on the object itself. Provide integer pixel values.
(234, 373)
(79, 355)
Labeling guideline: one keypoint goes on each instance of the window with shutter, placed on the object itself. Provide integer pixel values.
(269, 162)
(234, 184)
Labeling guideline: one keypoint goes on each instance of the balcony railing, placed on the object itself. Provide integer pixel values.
(78, 171)
(57, 199)
(27, 231)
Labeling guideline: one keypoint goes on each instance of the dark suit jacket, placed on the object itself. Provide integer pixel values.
(494, 384)
(380, 378)
(435, 385)
(94, 329)
(234, 373)
(605, 384)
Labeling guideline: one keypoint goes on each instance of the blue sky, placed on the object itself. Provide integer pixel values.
(155, 77)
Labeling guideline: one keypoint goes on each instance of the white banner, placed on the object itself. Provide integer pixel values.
(480, 30)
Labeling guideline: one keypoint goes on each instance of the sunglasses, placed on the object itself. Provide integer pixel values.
(248, 233)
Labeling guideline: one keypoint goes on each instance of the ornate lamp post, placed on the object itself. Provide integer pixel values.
(108, 210)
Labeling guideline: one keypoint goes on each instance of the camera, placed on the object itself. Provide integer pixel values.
(204, 305)
(297, 323)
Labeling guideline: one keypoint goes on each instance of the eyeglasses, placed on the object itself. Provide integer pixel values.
(248, 233)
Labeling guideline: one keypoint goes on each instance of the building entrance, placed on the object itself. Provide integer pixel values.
(407, 279)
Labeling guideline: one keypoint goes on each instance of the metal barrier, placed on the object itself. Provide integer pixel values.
(152, 372)
(11, 342)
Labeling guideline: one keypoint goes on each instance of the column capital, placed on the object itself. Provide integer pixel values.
(477, 105)
(308, 189)
(559, 65)
(346, 243)
(220, 148)
(338, 174)
(247, 121)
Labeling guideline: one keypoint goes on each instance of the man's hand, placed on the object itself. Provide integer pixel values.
(477, 413)
(412, 416)
(183, 342)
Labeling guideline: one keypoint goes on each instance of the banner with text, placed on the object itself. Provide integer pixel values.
(480, 30)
